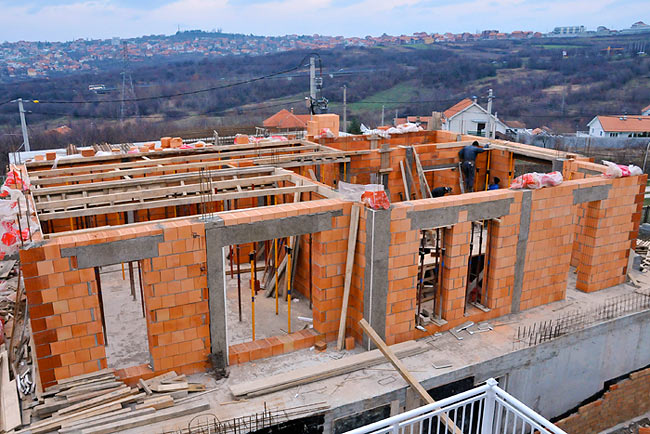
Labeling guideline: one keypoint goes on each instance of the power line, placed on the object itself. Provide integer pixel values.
(178, 94)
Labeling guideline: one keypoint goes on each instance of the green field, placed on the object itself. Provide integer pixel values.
(406, 91)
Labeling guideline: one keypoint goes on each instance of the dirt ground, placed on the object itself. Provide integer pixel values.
(267, 323)
(126, 327)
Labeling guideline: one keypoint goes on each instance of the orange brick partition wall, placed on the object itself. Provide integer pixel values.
(623, 401)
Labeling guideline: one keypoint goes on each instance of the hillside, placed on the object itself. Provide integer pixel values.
(559, 83)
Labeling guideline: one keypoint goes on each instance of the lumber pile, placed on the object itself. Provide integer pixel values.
(101, 403)
(297, 377)
(643, 250)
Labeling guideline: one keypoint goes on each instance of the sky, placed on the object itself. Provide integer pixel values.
(64, 20)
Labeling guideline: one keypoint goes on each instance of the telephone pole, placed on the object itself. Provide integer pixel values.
(489, 109)
(382, 114)
(23, 124)
(345, 108)
(312, 78)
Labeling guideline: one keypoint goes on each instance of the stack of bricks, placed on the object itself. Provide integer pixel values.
(623, 401)
(64, 313)
(176, 299)
(609, 232)
(549, 247)
(273, 346)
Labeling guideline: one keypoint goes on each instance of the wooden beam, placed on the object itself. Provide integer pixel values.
(406, 375)
(407, 191)
(424, 185)
(349, 262)
(174, 202)
(113, 198)
(162, 179)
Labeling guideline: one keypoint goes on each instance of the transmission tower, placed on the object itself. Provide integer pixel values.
(128, 93)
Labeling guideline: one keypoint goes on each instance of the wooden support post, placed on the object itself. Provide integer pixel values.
(101, 303)
(424, 185)
(349, 262)
(406, 375)
(141, 288)
(251, 256)
(407, 192)
(288, 289)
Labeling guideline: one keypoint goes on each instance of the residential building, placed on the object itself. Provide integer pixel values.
(286, 120)
(468, 117)
(620, 126)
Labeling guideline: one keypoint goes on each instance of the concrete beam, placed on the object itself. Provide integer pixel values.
(116, 252)
(522, 243)
(591, 194)
(439, 217)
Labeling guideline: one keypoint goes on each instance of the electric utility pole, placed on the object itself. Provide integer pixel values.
(489, 109)
(23, 124)
(345, 108)
(382, 115)
(312, 78)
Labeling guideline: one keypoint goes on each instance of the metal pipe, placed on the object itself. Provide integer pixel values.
(438, 302)
(288, 289)
(480, 250)
(101, 304)
(251, 256)
(420, 277)
(131, 282)
(141, 287)
(238, 283)
(310, 267)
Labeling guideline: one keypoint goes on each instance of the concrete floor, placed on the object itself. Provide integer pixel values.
(126, 328)
(367, 384)
(267, 323)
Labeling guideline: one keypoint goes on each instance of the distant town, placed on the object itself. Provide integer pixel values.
(24, 59)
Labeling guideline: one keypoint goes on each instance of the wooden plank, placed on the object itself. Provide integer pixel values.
(322, 371)
(407, 190)
(157, 416)
(6, 267)
(157, 403)
(161, 377)
(174, 202)
(349, 262)
(107, 397)
(159, 387)
(406, 375)
(9, 404)
(70, 427)
(145, 386)
(424, 185)
(82, 377)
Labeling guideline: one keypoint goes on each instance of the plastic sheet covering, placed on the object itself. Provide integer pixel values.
(621, 171)
(11, 233)
(536, 180)
(371, 195)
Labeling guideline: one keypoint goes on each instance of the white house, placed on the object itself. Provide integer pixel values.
(645, 111)
(467, 117)
(620, 126)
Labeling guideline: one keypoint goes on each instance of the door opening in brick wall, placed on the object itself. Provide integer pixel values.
(476, 294)
(430, 271)
(252, 273)
(125, 327)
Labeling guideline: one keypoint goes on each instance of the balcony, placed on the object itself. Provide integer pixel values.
(486, 409)
(481, 133)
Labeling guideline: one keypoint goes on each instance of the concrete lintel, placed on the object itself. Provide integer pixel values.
(439, 217)
(277, 228)
(115, 252)
(376, 272)
(591, 194)
(522, 243)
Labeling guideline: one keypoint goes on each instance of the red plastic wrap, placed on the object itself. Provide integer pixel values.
(375, 199)
(537, 180)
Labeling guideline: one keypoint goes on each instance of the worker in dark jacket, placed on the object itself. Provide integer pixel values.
(440, 191)
(468, 163)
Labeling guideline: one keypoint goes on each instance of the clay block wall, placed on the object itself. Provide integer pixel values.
(623, 401)
(176, 299)
(550, 242)
(609, 231)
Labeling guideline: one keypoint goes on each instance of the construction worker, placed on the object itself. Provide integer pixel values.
(440, 191)
(467, 157)
(495, 184)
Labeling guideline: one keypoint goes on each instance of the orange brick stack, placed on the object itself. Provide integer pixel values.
(273, 346)
(622, 402)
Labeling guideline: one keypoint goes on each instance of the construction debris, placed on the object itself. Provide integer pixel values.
(102, 403)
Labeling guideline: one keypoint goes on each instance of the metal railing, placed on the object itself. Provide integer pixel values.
(486, 409)
(481, 133)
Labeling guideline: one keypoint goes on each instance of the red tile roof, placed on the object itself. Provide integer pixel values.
(627, 124)
(645, 108)
(460, 106)
(285, 119)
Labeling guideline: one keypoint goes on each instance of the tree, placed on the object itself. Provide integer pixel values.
(354, 127)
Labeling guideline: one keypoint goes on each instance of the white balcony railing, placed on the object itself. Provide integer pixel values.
(486, 409)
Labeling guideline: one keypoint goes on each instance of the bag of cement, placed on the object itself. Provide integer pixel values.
(621, 171)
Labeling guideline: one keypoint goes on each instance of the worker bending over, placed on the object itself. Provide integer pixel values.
(468, 163)
(440, 191)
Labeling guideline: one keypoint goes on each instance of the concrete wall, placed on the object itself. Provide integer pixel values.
(552, 377)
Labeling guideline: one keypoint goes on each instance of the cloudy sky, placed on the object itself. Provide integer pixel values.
(61, 20)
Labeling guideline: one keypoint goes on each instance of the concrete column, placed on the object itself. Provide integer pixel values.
(376, 273)
(522, 243)
(217, 298)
